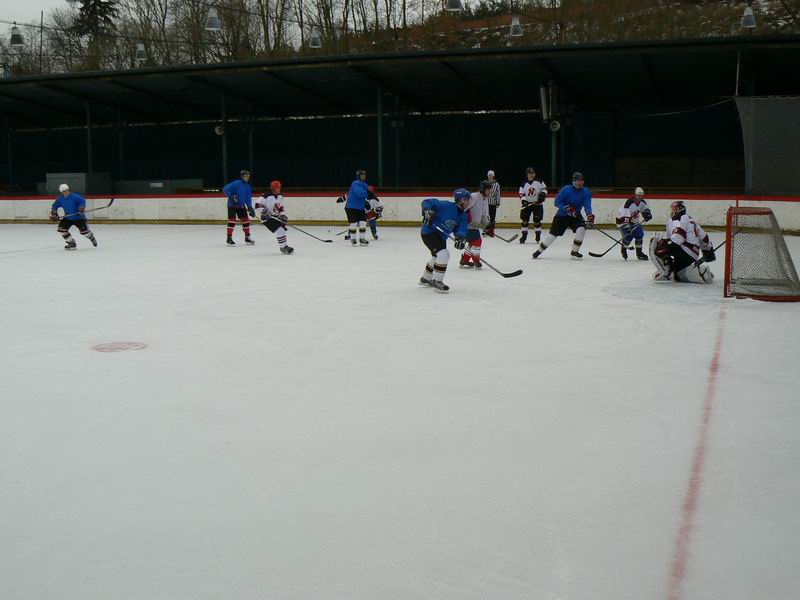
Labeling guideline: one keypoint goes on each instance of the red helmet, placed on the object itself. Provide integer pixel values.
(275, 185)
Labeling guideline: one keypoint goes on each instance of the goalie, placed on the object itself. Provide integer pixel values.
(676, 256)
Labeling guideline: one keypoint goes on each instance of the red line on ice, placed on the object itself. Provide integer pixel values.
(681, 556)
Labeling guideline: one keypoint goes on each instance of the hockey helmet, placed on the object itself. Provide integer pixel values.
(484, 186)
(490, 173)
(638, 191)
(461, 196)
(530, 171)
(244, 173)
(677, 209)
(63, 188)
(361, 174)
(275, 186)
(577, 176)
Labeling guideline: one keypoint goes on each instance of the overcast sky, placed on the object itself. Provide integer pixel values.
(25, 11)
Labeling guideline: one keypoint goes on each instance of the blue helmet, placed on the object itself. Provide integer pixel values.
(461, 194)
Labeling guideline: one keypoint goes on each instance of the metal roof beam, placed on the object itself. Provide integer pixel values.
(246, 98)
(39, 104)
(653, 79)
(412, 103)
(164, 99)
(481, 91)
(115, 106)
(306, 90)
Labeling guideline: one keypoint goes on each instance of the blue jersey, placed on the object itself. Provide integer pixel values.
(71, 204)
(579, 199)
(449, 218)
(357, 195)
(239, 193)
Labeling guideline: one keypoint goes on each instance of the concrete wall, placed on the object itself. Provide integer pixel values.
(707, 210)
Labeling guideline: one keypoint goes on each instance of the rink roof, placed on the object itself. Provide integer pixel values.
(611, 77)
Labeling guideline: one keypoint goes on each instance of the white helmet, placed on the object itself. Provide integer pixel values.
(63, 187)
(639, 191)
(490, 173)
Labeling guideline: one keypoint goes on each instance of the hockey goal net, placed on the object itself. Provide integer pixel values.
(757, 261)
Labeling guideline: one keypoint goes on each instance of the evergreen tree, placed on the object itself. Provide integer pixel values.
(95, 19)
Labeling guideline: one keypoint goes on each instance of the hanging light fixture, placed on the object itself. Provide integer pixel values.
(748, 19)
(516, 28)
(454, 6)
(315, 41)
(141, 57)
(212, 21)
(16, 37)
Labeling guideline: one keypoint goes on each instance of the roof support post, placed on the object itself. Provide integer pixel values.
(224, 139)
(379, 112)
(10, 155)
(89, 165)
(250, 128)
(121, 147)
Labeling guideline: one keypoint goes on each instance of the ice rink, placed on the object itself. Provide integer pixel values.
(318, 426)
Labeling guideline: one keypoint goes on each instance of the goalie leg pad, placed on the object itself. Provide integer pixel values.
(692, 274)
(662, 266)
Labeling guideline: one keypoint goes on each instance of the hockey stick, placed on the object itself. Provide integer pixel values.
(308, 234)
(110, 202)
(507, 241)
(616, 241)
(483, 260)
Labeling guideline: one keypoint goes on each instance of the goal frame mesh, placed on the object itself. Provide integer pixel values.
(733, 285)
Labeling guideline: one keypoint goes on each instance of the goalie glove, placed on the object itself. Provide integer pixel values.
(709, 255)
(646, 215)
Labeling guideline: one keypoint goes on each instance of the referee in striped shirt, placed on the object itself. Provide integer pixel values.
(494, 202)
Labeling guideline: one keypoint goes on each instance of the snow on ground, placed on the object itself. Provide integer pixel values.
(319, 426)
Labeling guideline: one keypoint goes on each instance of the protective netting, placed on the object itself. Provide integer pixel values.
(771, 135)
(758, 264)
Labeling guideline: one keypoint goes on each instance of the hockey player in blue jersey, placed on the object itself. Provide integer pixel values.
(73, 206)
(356, 209)
(570, 201)
(240, 205)
(441, 218)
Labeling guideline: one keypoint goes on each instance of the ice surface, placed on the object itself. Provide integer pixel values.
(318, 426)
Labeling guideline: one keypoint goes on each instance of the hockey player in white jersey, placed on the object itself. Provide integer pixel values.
(629, 225)
(675, 256)
(374, 211)
(478, 220)
(273, 215)
(532, 194)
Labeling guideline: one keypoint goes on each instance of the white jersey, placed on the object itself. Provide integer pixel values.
(688, 235)
(478, 211)
(375, 204)
(271, 206)
(529, 191)
(631, 211)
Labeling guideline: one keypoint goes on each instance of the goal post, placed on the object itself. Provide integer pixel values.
(757, 262)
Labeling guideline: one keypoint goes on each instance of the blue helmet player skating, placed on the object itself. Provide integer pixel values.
(570, 201)
(73, 206)
(440, 219)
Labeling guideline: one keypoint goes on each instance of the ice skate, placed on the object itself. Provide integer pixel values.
(464, 263)
(287, 250)
(71, 245)
(536, 254)
(641, 255)
(353, 242)
(440, 286)
(374, 236)
(624, 251)
(230, 241)
(363, 242)
(425, 282)
(523, 237)
(249, 241)
(575, 255)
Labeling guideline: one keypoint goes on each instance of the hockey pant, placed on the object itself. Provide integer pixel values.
(636, 233)
(64, 225)
(238, 212)
(437, 263)
(278, 228)
(357, 221)
(373, 226)
(679, 266)
(473, 250)
(559, 226)
(535, 211)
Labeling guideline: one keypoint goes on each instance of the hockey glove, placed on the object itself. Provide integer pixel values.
(82, 209)
(428, 216)
(340, 199)
(589, 221)
(541, 197)
(251, 211)
(647, 215)
(525, 203)
(709, 255)
(283, 219)
(54, 216)
(664, 248)
(460, 243)
(570, 210)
